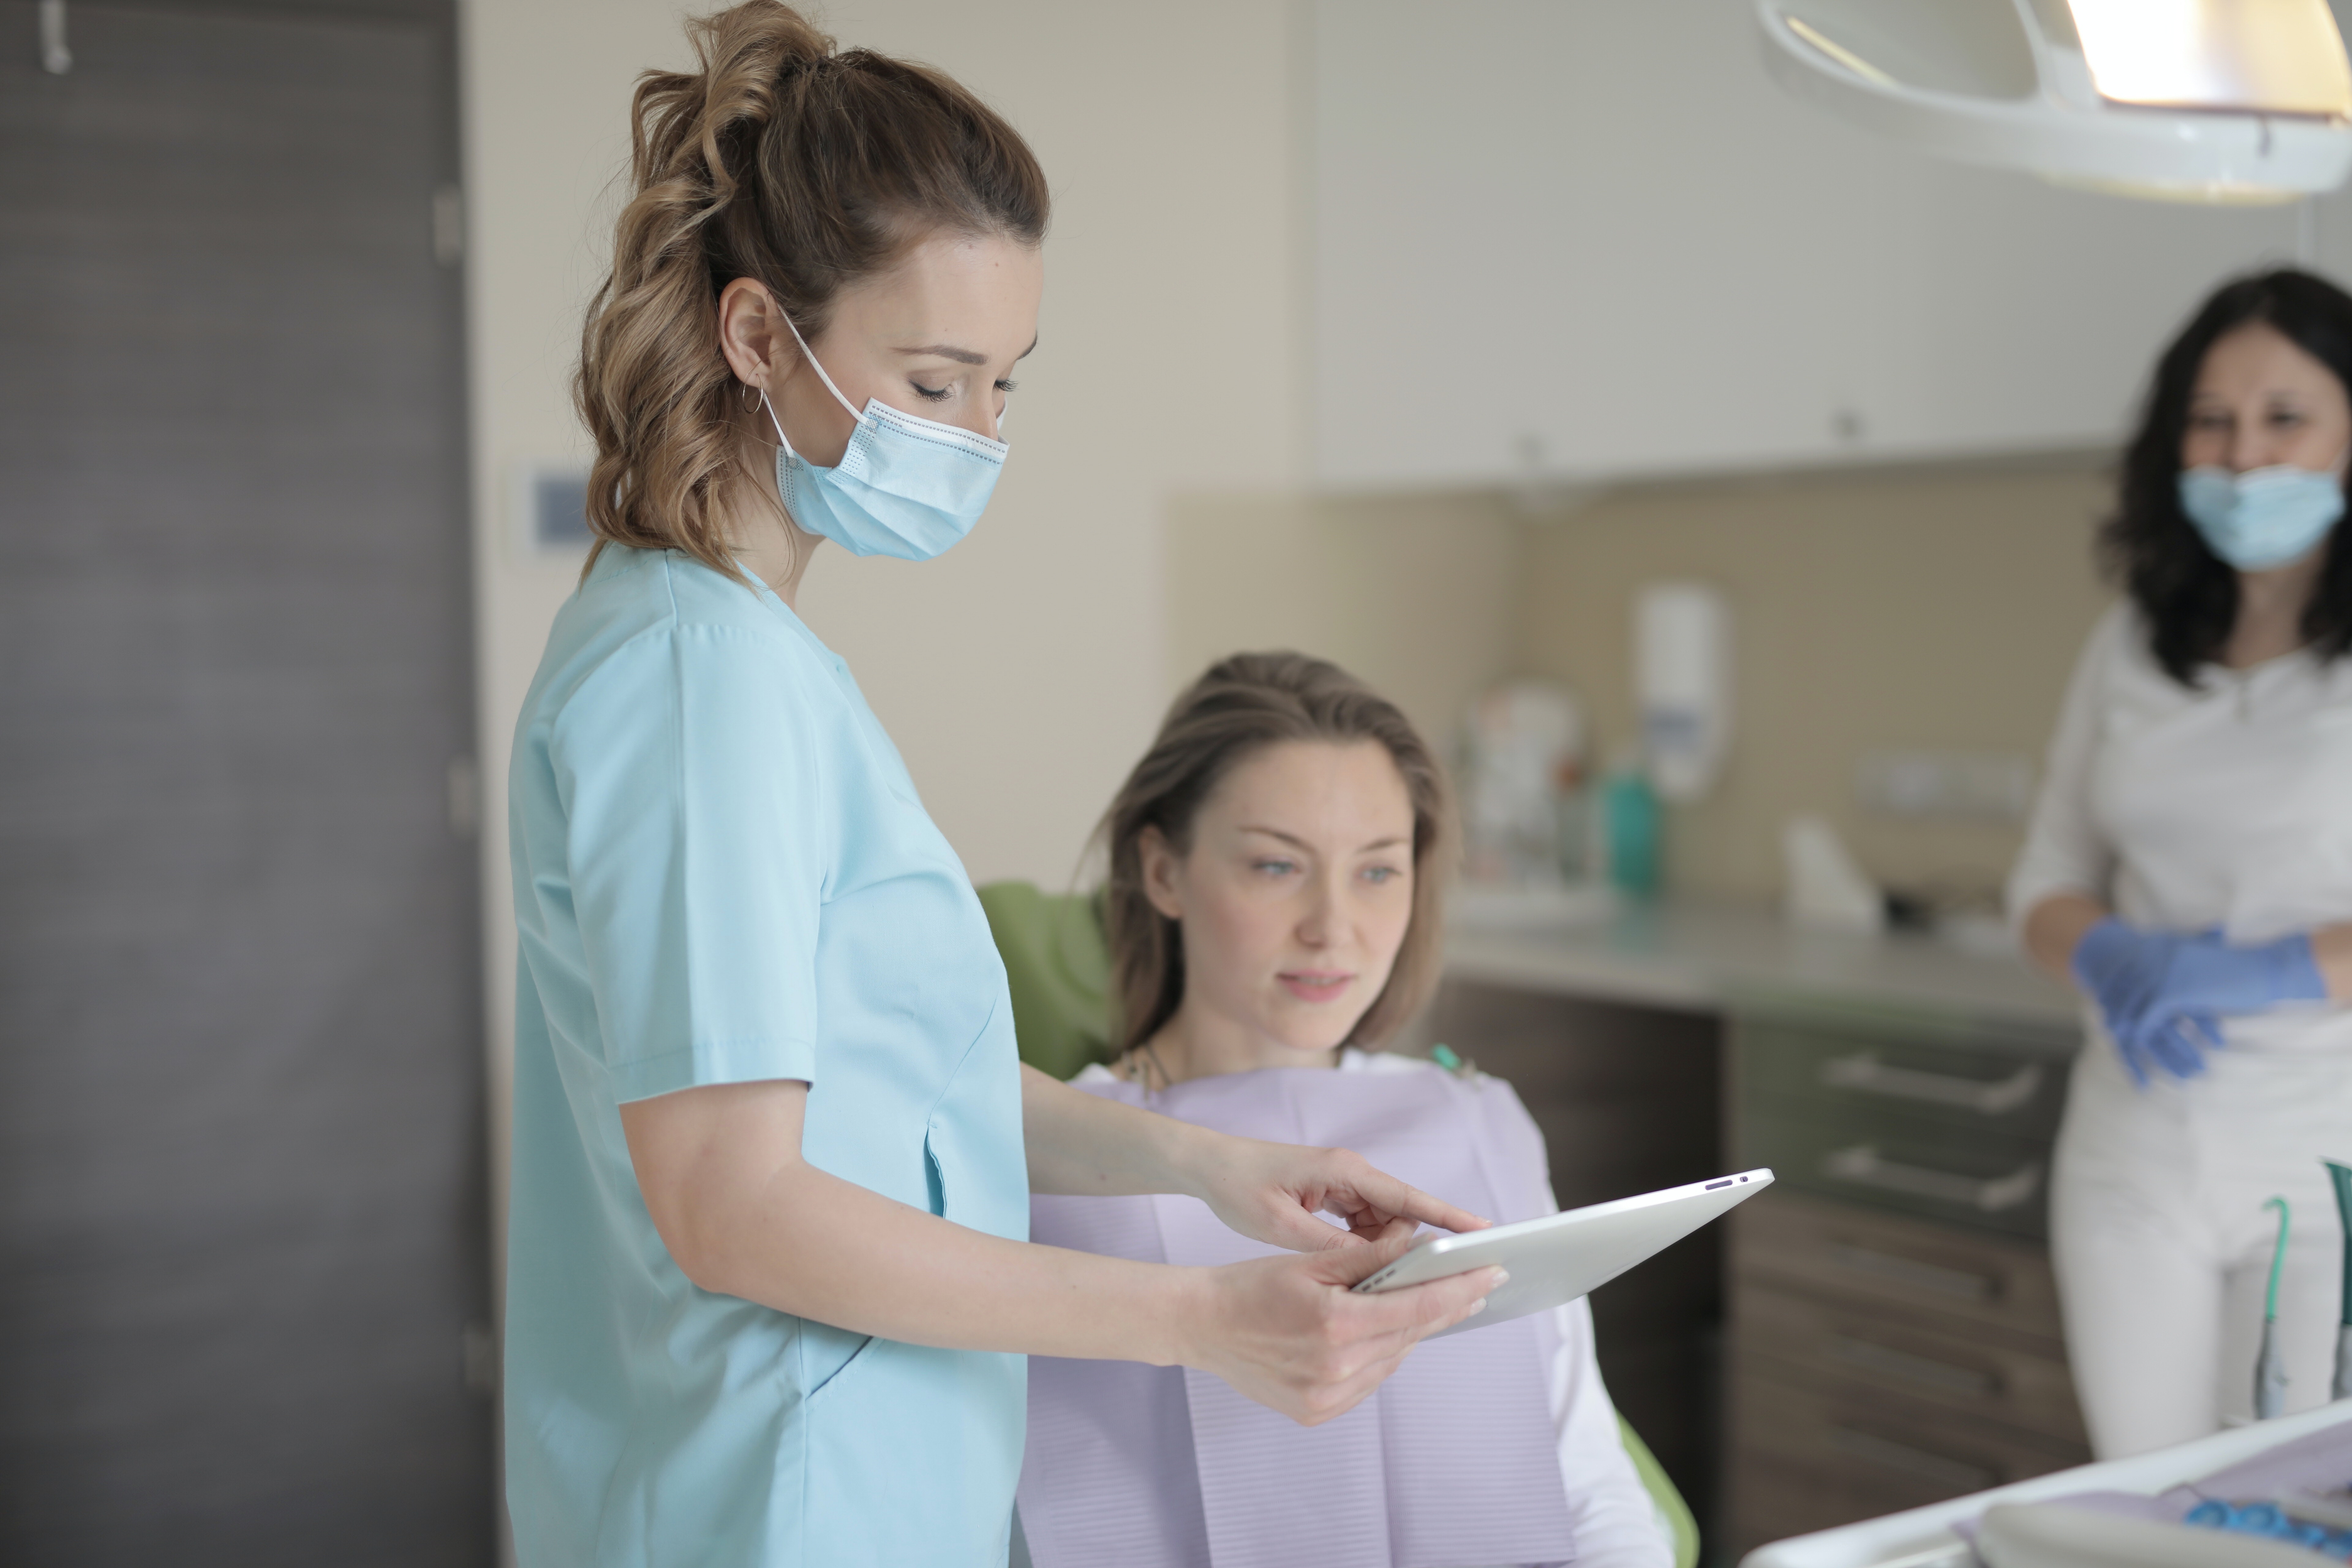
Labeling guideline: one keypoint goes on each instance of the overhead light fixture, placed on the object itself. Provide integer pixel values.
(2208, 101)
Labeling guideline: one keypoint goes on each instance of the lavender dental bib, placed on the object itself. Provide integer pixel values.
(1452, 1461)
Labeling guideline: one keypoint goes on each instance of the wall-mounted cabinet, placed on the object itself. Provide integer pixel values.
(1558, 240)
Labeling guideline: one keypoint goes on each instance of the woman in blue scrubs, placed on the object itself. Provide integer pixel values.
(769, 1288)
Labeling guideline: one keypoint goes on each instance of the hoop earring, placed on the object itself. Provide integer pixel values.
(751, 398)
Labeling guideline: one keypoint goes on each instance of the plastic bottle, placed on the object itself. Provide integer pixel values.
(1632, 831)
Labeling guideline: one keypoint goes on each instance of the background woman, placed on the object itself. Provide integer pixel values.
(1276, 861)
(772, 1147)
(2189, 866)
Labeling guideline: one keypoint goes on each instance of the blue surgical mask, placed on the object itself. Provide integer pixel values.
(2263, 516)
(907, 487)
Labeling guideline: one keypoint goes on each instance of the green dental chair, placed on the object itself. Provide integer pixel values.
(1057, 968)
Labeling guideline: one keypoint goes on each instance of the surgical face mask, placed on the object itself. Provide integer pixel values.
(2263, 516)
(905, 486)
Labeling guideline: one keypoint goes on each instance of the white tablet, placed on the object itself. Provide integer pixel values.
(1555, 1259)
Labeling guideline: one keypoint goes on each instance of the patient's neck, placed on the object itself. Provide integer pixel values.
(1200, 1042)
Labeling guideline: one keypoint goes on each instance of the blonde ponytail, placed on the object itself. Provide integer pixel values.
(782, 160)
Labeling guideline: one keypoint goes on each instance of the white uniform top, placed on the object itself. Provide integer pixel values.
(2226, 804)
(1617, 1526)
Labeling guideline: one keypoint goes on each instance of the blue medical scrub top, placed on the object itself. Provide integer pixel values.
(722, 875)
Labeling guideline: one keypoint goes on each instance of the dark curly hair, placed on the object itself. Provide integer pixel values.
(2188, 595)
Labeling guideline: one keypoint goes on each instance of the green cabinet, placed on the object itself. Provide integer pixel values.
(1921, 1113)
(1895, 1334)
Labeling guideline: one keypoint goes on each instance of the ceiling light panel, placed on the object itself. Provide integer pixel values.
(2247, 56)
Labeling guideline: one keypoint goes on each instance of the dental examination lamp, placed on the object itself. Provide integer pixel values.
(2237, 101)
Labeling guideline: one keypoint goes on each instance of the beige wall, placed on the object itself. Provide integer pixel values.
(1416, 595)
(1936, 609)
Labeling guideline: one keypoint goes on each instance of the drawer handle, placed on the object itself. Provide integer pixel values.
(1957, 1283)
(1867, 1355)
(1864, 1072)
(1957, 1475)
(1862, 1166)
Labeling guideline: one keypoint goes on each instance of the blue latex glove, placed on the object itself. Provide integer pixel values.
(2163, 993)
(2123, 967)
(2208, 977)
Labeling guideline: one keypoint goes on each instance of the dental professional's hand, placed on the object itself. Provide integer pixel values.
(2209, 977)
(2163, 993)
(2121, 967)
(1289, 1334)
(1273, 1192)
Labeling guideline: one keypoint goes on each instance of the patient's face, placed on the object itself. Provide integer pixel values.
(1293, 897)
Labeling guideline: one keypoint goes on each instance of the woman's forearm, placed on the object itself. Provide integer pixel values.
(1082, 1145)
(743, 1214)
(819, 1246)
(2054, 927)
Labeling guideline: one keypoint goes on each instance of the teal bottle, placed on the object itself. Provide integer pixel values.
(1632, 826)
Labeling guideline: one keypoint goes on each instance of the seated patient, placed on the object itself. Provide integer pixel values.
(1273, 915)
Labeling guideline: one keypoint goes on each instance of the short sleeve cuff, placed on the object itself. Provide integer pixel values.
(715, 1062)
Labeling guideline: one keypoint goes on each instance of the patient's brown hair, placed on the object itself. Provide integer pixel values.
(1242, 705)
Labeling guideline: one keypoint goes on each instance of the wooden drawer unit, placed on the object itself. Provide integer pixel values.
(1861, 1349)
(1808, 1458)
(1920, 1115)
(2001, 1084)
(1891, 1160)
(1894, 1337)
(1896, 1269)
(1879, 1363)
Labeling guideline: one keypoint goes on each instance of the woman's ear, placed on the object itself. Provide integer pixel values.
(1160, 866)
(750, 324)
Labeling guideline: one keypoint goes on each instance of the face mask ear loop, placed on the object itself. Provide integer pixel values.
(770, 409)
(818, 368)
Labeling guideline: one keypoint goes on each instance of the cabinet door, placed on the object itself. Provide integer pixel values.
(2031, 316)
(1561, 240)
(1556, 239)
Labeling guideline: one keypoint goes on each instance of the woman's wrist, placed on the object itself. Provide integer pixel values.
(2331, 950)
(1188, 1156)
(1185, 1309)
(2054, 929)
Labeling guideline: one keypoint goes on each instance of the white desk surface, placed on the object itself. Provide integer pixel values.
(1924, 1537)
(1697, 957)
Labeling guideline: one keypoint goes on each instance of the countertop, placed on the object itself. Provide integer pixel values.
(1707, 958)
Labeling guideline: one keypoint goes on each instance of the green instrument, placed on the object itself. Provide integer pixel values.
(2270, 1372)
(2341, 1388)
